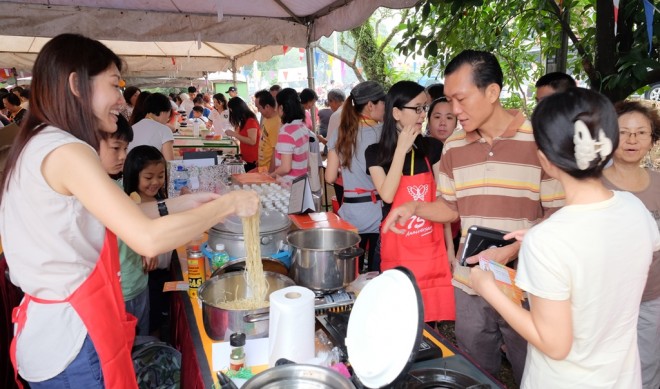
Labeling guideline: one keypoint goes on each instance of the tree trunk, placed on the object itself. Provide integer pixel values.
(371, 57)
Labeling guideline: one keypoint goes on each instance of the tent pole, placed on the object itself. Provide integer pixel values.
(233, 71)
(309, 51)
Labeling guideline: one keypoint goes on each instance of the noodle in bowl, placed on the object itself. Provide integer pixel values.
(220, 321)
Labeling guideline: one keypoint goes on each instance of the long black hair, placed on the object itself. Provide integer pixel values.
(53, 102)
(239, 112)
(399, 95)
(292, 108)
(138, 159)
(554, 120)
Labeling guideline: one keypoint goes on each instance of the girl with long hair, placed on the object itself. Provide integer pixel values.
(58, 200)
(360, 126)
(249, 132)
(404, 166)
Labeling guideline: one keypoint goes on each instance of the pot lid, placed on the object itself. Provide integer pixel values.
(385, 328)
(269, 221)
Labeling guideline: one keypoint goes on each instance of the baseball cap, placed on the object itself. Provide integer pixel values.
(367, 91)
(231, 89)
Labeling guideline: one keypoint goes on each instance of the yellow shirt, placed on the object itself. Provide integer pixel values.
(269, 130)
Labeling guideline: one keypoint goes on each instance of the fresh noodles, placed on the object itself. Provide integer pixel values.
(255, 278)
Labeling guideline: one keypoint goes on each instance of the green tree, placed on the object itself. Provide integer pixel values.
(615, 65)
(368, 49)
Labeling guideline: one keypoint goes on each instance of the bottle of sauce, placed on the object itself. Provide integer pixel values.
(237, 355)
(196, 268)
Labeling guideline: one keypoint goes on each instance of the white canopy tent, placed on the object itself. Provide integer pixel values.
(183, 37)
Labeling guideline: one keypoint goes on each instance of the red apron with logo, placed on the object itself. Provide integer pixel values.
(100, 304)
(421, 248)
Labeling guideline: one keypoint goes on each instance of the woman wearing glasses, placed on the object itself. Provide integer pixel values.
(403, 166)
(639, 130)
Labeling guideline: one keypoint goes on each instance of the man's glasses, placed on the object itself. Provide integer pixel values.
(640, 135)
(418, 109)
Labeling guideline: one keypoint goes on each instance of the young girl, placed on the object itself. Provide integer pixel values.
(219, 116)
(403, 166)
(144, 174)
(585, 267)
(359, 127)
(72, 325)
(249, 132)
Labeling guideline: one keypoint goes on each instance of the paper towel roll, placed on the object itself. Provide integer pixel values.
(291, 326)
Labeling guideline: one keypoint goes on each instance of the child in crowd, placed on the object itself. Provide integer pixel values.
(197, 114)
(584, 267)
(134, 267)
(144, 174)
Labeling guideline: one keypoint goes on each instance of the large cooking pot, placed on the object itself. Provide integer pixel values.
(219, 323)
(323, 259)
(298, 377)
(273, 227)
(268, 264)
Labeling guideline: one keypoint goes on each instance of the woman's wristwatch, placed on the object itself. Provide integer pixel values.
(162, 208)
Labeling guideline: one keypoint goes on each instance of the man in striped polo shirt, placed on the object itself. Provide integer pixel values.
(490, 176)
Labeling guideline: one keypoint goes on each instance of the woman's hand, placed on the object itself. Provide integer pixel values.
(517, 235)
(149, 263)
(231, 133)
(246, 202)
(407, 137)
(481, 280)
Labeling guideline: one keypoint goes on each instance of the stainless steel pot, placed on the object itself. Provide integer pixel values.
(268, 263)
(273, 227)
(298, 377)
(219, 323)
(323, 259)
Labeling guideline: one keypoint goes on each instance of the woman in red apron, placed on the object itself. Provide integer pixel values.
(402, 166)
(71, 329)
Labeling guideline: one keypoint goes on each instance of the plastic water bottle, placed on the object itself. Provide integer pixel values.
(180, 178)
(220, 257)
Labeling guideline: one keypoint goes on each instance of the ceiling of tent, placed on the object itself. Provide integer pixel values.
(180, 37)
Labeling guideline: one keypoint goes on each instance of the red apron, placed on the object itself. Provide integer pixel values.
(421, 248)
(100, 304)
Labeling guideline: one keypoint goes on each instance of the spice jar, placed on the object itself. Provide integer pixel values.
(237, 355)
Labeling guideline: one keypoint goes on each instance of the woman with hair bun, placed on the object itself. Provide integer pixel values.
(584, 268)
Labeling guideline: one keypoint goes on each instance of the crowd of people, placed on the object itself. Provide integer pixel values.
(413, 169)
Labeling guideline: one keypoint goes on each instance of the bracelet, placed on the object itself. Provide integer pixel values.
(162, 208)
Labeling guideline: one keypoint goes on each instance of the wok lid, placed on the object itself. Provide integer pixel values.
(385, 328)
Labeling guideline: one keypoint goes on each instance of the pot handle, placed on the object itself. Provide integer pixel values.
(255, 317)
(349, 253)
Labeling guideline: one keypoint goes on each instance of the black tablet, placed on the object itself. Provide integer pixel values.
(479, 239)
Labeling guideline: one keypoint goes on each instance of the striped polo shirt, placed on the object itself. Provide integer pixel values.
(293, 139)
(499, 186)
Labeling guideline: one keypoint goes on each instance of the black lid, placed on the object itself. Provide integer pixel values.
(237, 339)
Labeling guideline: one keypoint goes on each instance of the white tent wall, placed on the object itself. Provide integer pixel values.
(260, 26)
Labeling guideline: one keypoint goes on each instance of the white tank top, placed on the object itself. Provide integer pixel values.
(51, 243)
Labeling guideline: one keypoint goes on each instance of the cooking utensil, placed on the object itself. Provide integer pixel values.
(219, 323)
(323, 259)
(269, 264)
(273, 227)
(294, 376)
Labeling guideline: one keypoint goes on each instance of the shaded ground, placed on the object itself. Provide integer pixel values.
(446, 329)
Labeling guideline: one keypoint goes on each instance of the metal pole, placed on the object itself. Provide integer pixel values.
(309, 51)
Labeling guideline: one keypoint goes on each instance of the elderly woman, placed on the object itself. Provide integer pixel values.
(639, 130)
